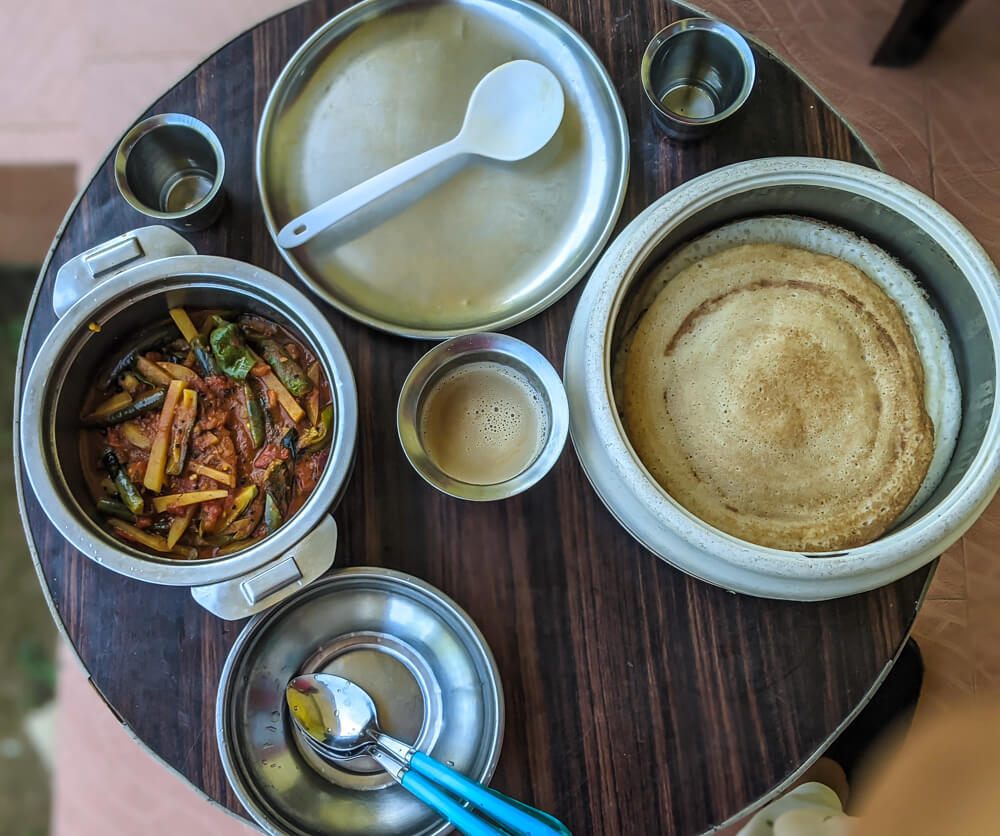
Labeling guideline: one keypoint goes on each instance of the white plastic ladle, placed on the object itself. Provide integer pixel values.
(513, 112)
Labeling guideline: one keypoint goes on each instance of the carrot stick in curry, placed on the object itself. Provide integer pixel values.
(157, 465)
(180, 433)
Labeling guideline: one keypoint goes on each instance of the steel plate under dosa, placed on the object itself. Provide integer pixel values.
(473, 245)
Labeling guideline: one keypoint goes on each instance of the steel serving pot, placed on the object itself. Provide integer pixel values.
(961, 283)
(101, 298)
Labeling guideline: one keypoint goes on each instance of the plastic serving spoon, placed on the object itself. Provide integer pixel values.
(513, 112)
(340, 723)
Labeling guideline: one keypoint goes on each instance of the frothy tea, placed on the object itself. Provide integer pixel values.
(483, 423)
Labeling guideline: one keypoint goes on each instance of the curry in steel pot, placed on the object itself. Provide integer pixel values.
(205, 434)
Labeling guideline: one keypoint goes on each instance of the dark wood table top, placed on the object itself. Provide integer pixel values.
(638, 700)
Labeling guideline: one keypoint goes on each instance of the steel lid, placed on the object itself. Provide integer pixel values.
(427, 667)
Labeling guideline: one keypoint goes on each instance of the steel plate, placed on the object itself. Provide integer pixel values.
(474, 245)
(423, 661)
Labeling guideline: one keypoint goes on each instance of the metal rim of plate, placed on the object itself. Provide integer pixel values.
(356, 16)
(275, 775)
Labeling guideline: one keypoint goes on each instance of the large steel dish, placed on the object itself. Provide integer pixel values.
(474, 245)
(961, 283)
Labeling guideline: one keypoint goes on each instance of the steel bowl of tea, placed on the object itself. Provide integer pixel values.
(482, 416)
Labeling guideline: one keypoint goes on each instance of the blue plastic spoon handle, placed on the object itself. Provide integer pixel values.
(435, 797)
(512, 815)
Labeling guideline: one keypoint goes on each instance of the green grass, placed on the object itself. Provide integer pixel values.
(27, 634)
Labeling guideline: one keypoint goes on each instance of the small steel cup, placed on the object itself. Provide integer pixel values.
(170, 167)
(696, 73)
(473, 348)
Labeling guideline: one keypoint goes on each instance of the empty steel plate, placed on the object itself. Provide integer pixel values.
(473, 245)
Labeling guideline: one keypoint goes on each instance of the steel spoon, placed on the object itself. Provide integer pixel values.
(513, 112)
(340, 722)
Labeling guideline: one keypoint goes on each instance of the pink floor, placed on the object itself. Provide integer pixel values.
(105, 785)
(934, 125)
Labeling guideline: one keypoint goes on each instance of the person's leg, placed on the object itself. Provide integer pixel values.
(890, 709)
(815, 805)
(914, 30)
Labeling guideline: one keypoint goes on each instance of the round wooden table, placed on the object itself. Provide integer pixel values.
(638, 700)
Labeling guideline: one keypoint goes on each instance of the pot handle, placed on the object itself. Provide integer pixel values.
(265, 586)
(82, 273)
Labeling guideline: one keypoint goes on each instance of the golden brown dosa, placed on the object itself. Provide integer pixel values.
(777, 394)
